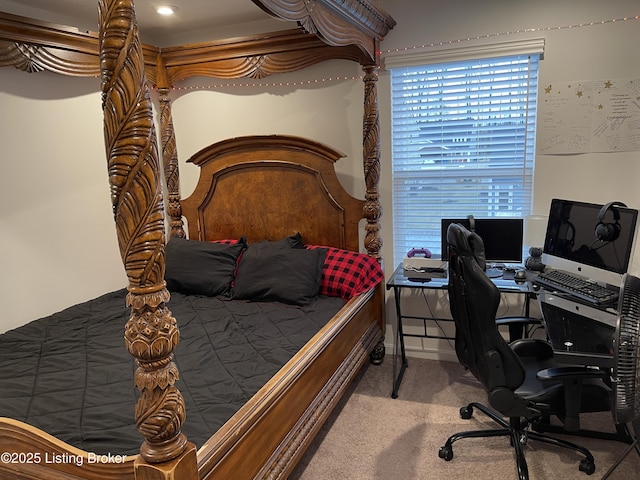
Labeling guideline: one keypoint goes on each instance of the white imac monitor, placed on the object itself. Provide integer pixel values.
(590, 240)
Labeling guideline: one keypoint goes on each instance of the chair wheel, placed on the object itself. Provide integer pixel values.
(466, 412)
(587, 466)
(446, 453)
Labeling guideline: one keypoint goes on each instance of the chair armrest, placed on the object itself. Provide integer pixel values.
(570, 372)
(518, 320)
(517, 325)
(532, 348)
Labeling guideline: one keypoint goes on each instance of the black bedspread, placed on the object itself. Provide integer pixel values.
(70, 375)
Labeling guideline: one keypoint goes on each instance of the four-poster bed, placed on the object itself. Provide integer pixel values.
(268, 433)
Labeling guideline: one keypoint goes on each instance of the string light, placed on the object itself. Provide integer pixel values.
(399, 50)
(288, 84)
(514, 32)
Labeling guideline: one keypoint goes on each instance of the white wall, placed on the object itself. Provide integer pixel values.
(58, 239)
(57, 236)
(206, 110)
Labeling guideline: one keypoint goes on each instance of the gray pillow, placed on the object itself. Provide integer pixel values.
(273, 273)
(202, 268)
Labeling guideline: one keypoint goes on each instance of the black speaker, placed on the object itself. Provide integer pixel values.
(608, 232)
(534, 260)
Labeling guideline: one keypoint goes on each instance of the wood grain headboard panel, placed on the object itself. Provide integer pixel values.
(269, 187)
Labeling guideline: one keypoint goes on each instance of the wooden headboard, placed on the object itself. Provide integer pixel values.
(269, 187)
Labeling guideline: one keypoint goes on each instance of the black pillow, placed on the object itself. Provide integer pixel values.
(292, 241)
(202, 268)
(288, 275)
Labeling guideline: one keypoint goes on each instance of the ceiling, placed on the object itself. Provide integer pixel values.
(194, 21)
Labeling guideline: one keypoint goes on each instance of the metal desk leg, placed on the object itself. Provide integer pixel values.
(399, 339)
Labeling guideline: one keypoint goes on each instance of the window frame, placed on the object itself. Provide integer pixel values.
(404, 221)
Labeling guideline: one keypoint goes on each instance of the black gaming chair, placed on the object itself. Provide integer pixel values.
(509, 372)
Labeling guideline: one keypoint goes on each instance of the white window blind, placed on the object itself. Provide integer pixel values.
(463, 141)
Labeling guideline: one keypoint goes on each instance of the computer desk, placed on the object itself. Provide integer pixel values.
(402, 279)
(595, 324)
(580, 333)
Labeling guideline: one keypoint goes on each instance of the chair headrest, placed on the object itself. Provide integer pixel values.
(466, 243)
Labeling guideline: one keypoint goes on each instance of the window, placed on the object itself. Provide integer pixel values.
(463, 142)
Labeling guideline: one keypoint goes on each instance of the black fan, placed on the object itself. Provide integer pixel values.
(626, 373)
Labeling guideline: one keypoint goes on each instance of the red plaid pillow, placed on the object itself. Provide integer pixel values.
(346, 273)
(226, 241)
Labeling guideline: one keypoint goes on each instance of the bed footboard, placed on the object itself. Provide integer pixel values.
(267, 436)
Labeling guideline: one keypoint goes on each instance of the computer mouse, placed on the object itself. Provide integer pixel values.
(520, 275)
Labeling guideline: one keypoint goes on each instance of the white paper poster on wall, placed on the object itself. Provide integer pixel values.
(590, 116)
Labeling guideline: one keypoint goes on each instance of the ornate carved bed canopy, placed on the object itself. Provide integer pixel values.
(331, 29)
(356, 25)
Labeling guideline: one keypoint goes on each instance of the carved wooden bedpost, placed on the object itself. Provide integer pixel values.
(151, 333)
(170, 162)
(169, 153)
(372, 210)
(371, 159)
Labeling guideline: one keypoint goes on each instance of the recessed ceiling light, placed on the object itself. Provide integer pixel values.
(166, 9)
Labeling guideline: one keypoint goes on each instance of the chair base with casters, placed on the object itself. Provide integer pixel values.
(523, 380)
(622, 433)
(519, 434)
(563, 386)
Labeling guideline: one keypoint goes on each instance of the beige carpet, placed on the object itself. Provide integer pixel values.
(371, 436)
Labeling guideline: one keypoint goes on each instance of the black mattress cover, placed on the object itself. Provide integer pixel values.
(70, 374)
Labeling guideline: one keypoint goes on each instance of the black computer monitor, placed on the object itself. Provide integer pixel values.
(572, 243)
(502, 237)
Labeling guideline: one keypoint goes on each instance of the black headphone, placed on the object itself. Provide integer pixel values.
(472, 223)
(476, 243)
(608, 232)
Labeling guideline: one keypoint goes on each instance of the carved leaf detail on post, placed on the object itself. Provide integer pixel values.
(371, 154)
(170, 161)
(151, 334)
